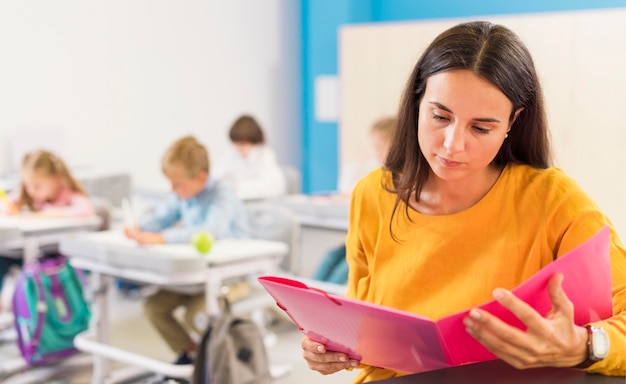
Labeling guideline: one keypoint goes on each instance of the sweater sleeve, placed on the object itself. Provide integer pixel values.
(574, 219)
(615, 326)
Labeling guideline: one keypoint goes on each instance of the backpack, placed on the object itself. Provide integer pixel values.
(49, 310)
(231, 352)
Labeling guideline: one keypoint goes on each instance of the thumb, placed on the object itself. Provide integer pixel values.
(560, 301)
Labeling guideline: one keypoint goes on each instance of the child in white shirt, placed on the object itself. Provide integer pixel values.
(250, 166)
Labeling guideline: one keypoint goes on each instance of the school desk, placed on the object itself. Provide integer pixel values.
(498, 372)
(324, 223)
(29, 232)
(6, 235)
(109, 254)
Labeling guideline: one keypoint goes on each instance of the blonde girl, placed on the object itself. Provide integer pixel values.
(48, 188)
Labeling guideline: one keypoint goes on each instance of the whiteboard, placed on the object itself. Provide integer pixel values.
(580, 58)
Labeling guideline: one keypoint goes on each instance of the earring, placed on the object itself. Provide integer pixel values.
(507, 135)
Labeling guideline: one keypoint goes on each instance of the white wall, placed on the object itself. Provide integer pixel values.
(120, 80)
(580, 58)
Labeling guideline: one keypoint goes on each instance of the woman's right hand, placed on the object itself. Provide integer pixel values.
(323, 361)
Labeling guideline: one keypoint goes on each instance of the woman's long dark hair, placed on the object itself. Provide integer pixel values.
(495, 54)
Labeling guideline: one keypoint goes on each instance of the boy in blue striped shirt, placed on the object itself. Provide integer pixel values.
(198, 203)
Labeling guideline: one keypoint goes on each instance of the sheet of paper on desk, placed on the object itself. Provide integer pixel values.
(405, 342)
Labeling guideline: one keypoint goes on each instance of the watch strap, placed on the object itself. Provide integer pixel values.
(590, 360)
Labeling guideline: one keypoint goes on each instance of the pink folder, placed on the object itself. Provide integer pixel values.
(402, 341)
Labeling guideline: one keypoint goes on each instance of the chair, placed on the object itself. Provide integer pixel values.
(113, 187)
(103, 209)
(269, 222)
(273, 222)
(293, 179)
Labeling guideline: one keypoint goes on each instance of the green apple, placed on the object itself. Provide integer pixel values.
(203, 241)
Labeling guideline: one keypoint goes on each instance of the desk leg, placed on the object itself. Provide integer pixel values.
(31, 250)
(101, 365)
(212, 292)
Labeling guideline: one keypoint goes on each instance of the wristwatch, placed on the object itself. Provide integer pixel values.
(598, 345)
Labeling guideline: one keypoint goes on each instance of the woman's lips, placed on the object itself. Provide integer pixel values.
(449, 163)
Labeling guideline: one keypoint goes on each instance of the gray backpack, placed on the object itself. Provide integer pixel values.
(231, 352)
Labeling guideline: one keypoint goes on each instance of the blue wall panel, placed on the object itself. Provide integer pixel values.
(321, 20)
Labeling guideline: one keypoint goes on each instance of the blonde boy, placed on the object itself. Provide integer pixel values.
(198, 203)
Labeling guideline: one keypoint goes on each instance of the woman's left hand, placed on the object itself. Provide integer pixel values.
(553, 340)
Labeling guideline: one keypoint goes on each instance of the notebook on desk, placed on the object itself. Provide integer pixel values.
(405, 342)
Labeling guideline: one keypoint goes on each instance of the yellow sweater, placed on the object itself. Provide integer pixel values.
(440, 265)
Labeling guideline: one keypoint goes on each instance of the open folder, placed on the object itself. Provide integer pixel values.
(405, 342)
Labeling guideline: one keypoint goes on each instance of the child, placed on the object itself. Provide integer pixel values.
(380, 136)
(47, 189)
(251, 166)
(334, 268)
(198, 203)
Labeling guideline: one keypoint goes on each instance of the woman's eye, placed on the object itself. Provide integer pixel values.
(482, 131)
(439, 117)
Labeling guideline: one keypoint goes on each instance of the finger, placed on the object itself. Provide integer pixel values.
(495, 334)
(312, 346)
(329, 368)
(328, 362)
(323, 361)
(505, 341)
(560, 302)
(527, 314)
(317, 352)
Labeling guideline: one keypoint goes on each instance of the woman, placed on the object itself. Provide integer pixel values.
(468, 207)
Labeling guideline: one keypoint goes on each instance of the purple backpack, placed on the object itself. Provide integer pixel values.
(49, 310)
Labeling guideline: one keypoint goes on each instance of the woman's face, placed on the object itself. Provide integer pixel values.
(463, 121)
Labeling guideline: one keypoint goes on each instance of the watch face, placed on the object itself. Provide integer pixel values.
(600, 343)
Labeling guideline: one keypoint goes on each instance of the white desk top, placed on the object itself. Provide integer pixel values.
(114, 249)
(324, 211)
(33, 225)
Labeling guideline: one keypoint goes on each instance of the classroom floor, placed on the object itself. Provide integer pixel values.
(131, 331)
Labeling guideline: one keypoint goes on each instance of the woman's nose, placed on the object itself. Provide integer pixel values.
(454, 140)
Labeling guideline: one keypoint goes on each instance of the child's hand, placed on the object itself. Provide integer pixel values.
(149, 238)
(131, 232)
(143, 237)
(9, 207)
